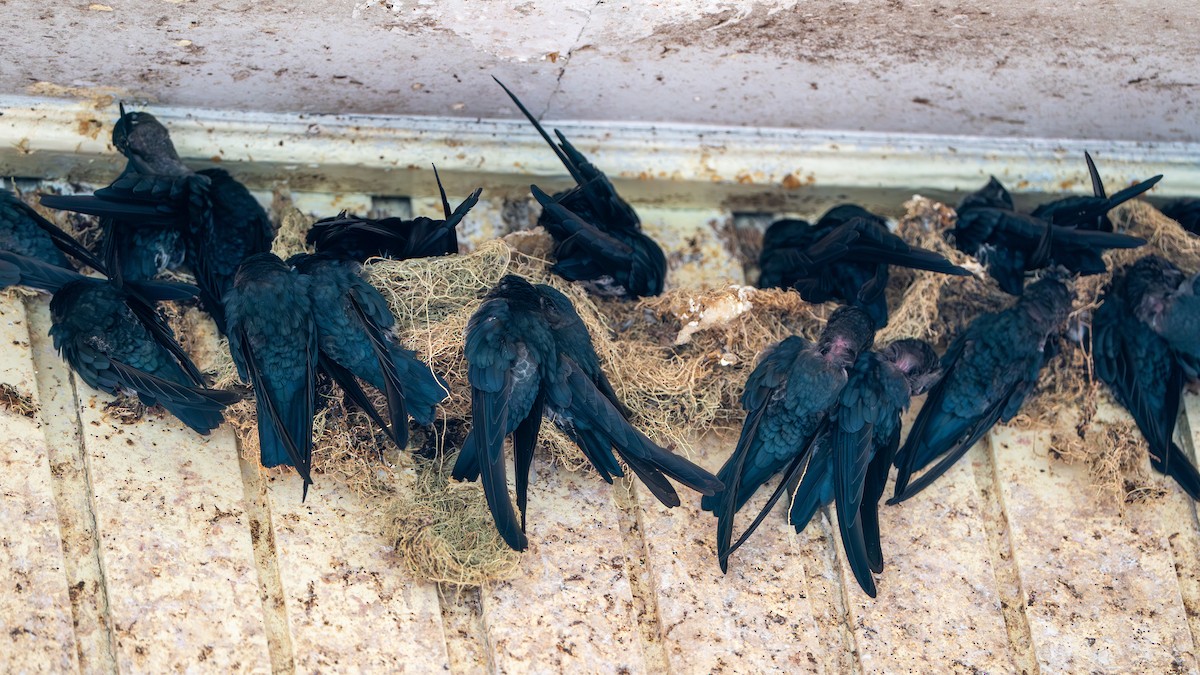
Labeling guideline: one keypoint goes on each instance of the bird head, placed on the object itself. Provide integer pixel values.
(143, 140)
(1147, 286)
(993, 195)
(518, 292)
(917, 360)
(1048, 301)
(848, 332)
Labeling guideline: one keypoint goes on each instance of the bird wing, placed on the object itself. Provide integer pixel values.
(876, 245)
(1148, 380)
(948, 427)
(292, 424)
(589, 409)
(795, 472)
(198, 408)
(505, 384)
(763, 385)
(573, 338)
(862, 406)
(566, 226)
(1094, 174)
(571, 168)
(140, 297)
(22, 270)
(376, 318)
(349, 384)
(65, 242)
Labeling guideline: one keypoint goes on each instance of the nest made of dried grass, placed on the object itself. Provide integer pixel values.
(679, 362)
(1087, 426)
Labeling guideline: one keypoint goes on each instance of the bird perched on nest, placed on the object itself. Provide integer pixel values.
(987, 372)
(1186, 212)
(1090, 213)
(1009, 243)
(530, 354)
(852, 454)
(598, 238)
(844, 257)
(273, 340)
(354, 325)
(220, 221)
(787, 400)
(1144, 368)
(358, 239)
(114, 339)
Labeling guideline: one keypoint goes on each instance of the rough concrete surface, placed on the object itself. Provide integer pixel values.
(34, 601)
(1094, 68)
(570, 608)
(149, 548)
(348, 606)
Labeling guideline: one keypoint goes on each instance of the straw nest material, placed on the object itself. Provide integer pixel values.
(1086, 425)
(679, 362)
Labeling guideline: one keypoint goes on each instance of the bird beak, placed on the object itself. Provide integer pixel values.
(121, 107)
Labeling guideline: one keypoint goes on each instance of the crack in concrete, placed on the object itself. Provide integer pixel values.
(827, 587)
(1004, 567)
(95, 641)
(641, 582)
(567, 58)
(270, 583)
(463, 630)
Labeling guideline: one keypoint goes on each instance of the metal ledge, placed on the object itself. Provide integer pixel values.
(683, 165)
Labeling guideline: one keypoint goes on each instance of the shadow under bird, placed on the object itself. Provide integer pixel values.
(844, 257)
(362, 238)
(787, 399)
(1009, 244)
(987, 372)
(115, 340)
(219, 220)
(354, 332)
(1184, 211)
(598, 238)
(1090, 213)
(273, 341)
(1145, 370)
(530, 355)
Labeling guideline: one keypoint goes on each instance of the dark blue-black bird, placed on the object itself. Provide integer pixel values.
(217, 218)
(528, 355)
(1184, 211)
(354, 331)
(987, 372)
(139, 210)
(1090, 213)
(1167, 302)
(115, 340)
(1142, 368)
(598, 238)
(844, 257)
(25, 232)
(787, 400)
(358, 239)
(853, 454)
(596, 435)
(1009, 243)
(273, 339)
